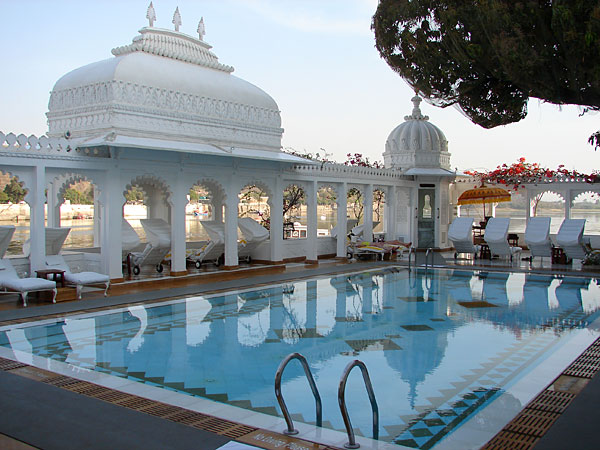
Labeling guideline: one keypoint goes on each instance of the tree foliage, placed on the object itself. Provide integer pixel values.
(14, 191)
(134, 195)
(79, 198)
(489, 56)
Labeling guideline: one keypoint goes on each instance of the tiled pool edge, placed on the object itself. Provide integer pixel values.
(523, 432)
(528, 427)
(132, 395)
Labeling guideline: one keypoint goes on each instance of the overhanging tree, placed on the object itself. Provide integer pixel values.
(489, 56)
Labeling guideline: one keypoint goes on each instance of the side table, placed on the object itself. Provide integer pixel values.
(58, 275)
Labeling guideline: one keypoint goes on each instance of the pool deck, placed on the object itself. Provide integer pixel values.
(47, 416)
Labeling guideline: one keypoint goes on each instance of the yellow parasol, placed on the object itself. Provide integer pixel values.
(482, 195)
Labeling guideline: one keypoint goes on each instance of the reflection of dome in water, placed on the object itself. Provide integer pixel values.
(165, 84)
(422, 352)
(416, 143)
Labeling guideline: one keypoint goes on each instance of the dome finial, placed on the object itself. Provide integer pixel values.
(416, 112)
(177, 19)
(151, 15)
(201, 29)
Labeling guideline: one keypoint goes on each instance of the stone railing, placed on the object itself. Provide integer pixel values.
(341, 170)
(558, 178)
(43, 145)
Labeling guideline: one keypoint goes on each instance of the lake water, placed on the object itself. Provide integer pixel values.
(81, 234)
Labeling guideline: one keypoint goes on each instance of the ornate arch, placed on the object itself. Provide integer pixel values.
(214, 187)
(260, 184)
(578, 193)
(67, 179)
(149, 180)
(327, 185)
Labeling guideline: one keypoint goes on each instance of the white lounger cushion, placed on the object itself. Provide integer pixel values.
(9, 279)
(79, 279)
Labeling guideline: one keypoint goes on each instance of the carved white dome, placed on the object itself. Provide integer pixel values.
(416, 143)
(166, 85)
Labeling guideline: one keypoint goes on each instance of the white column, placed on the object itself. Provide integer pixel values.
(217, 208)
(112, 201)
(414, 216)
(389, 212)
(277, 222)
(312, 251)
(342, 219)
(568, 201)
(231, 225)
(53, 208)
(178, 202)
(37, 232)
(97, 218)
(368, 213)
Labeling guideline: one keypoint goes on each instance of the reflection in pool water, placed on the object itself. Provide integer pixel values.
(438, 348)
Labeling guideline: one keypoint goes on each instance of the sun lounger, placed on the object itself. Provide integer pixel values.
(537, 237)
(158, 234)
(79, 279)
(10, 280)
(570, 238)
(55, 238)
(496, 234)
(460, 234)
(130, 240)
(253, 235)
(213, 250)
(350, 223)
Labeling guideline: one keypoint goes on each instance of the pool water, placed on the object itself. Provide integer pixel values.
(441, 347)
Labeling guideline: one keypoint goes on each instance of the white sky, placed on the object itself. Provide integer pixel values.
(316, 58)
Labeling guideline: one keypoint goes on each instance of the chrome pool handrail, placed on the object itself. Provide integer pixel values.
(411, 251)
(427, 253)
(286, 415)
(342, 402)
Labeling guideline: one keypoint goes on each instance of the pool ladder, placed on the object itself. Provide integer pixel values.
(427, 253)
(341, 397)
(412, 252)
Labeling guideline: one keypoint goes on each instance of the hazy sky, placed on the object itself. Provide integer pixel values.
(316, 58)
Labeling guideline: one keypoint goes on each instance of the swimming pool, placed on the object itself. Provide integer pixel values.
(451, 353)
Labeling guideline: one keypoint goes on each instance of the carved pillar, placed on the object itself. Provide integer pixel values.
(277, 222)
(389, 213)
(112, 201)
(231, 225)
(311, 229)
(342, 219)
(36, 198)
(368, 213)
(217, 208)
(178, 202)
(53, 209)
(97, 218)
(568, 203)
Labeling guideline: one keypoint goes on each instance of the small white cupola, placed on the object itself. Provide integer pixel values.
(417, 144)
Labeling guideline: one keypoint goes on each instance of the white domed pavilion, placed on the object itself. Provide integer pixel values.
(164, 85)
(417, 147)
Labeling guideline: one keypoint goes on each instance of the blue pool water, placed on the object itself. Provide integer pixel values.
(439, 348)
